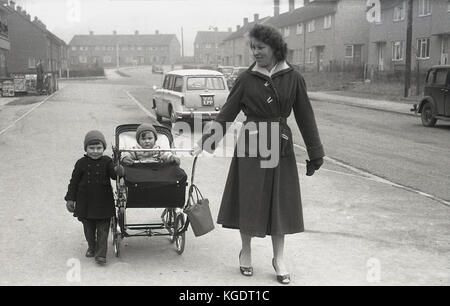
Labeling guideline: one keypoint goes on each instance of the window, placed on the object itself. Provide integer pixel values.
(97, 48)
(424, 7)
(74, 48)
(327, 22)
(168, 82)
(285, 31)
(441, 77)
(423, 48)
(31, 63)
(399, 11)
(299, 29)
(107, 59)
(139, 48)
(349, 51)
(311, 26)
(124, 48)
(202, 83)
(82, 59)
(208, 46)
(110, 48)
(178, 86)
(310, 55)
(397, 50)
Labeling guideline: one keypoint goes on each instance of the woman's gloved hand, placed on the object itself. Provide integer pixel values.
(313, 165)
(70, 205)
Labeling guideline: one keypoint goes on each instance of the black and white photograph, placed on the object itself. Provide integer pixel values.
(225, 149)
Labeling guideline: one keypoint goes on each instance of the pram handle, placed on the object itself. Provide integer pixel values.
(156, 150)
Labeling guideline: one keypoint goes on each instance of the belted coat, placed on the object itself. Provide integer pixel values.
(266, 200)
(90, 187)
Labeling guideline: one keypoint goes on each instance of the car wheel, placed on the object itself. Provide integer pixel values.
(427, 115)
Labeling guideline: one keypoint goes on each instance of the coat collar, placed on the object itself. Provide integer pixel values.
(279, 69)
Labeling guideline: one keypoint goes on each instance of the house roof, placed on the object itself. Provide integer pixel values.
(134, 39)
(306, 13)
(245, 28)
(203, 37)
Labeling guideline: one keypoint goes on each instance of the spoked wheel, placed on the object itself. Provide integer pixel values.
(180, 238)
(168, 218)
(117, 239)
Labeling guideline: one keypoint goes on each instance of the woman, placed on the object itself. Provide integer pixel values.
(263, 201)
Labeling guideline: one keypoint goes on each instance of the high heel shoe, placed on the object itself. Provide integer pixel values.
(282, 279)
(246, 271)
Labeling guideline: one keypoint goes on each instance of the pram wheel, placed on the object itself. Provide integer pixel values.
(116, 236)
(180, 238)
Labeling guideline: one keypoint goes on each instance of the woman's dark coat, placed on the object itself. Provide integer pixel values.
(90, 187)
(266, 201)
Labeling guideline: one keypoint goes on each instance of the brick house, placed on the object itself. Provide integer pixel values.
(431, 32)
(206, 47)
(236, 51)
(5, 44)
(88, 51)
(325, 35)
(30, 42)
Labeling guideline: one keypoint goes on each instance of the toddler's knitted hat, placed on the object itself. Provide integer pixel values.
(92, 136)
(145, 127)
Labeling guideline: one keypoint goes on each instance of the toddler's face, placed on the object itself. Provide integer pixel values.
(147, 140)
(95, 151)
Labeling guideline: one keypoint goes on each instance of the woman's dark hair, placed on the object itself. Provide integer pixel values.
(272, 37)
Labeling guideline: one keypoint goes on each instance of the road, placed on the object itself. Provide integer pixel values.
(354, 224)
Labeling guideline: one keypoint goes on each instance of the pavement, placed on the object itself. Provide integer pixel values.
(359, 231)
(381, 105)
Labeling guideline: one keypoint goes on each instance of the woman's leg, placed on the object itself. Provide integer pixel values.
(278, 254)
(245, 258)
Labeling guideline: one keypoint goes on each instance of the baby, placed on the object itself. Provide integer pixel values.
(146, 137)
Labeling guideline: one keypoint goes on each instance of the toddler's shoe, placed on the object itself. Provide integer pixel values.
(100, 260)
(90, 253)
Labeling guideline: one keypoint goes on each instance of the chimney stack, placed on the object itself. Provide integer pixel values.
(19, 9)
(91, 32)
(238, 27)
(157, 32)
(114, 32)
(276, 8)
(230, 29)
(291, 5)
(12, 4)
(245, 21)
(255, 17)
(136, 32)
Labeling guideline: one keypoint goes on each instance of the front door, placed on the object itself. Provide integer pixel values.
(320, 52)
(357, 55)
(447, 96)
(444, 50)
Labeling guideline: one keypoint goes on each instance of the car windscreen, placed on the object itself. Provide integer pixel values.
(202, 83)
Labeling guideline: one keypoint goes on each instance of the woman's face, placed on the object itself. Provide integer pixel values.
(263, 53)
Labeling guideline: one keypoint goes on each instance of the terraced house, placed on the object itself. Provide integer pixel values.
(431, 32)
(5, 45)
(93, 51)
(325, 35)
(206, 46)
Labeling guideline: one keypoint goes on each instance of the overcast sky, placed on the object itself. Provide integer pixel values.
(66, 18)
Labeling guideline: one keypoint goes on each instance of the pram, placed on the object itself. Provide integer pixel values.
(150, 185)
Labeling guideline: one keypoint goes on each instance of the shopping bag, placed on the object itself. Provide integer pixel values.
(198, 212)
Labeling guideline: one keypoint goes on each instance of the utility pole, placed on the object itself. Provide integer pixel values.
(408, 48)
(182, 43)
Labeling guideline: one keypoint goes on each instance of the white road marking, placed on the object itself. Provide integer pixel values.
(140, 105)
(27, 113)
(375, 178)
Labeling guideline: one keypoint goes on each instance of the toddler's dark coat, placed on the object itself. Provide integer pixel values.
(90, 188)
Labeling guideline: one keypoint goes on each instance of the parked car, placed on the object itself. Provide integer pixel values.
(236, 72)
(189, 92)
(435, 103)
(157, 69)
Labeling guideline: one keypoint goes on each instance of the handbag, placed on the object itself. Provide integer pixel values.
(198, 212)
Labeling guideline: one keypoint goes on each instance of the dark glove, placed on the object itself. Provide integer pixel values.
(313, 165)
(120, 170)
(70, 205)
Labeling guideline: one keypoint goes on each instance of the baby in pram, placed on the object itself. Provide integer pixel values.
(146, 138)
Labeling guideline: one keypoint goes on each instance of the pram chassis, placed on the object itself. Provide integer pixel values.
(174, 222)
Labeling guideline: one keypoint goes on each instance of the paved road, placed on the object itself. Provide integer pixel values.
(359, 231)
